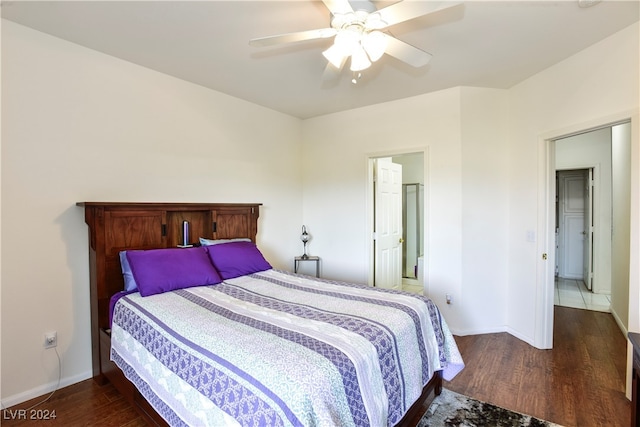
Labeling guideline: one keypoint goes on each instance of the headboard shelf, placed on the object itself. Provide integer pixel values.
(119, 226)
(172, 206)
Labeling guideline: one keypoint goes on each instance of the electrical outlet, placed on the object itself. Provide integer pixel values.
(50, 339)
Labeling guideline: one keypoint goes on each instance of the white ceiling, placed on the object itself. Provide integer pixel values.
(478, 43)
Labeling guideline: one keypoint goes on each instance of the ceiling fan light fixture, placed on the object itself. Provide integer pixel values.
(347, 41)
(358, 33)
(375, 22)
(339, 20)
(375, 44)
(359, 60)
(335, 56)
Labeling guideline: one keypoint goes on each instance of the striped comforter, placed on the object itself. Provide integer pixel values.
(274, 348)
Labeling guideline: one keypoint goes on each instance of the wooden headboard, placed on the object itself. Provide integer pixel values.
(114, 227)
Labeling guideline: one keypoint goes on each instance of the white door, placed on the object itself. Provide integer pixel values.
(388, 224)
(572, 225)
(588, 230)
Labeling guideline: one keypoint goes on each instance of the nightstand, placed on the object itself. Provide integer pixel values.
(297, 260)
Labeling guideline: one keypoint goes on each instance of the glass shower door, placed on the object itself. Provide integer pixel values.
(413, 225)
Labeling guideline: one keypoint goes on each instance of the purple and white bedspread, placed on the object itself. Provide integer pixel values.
(274, 348)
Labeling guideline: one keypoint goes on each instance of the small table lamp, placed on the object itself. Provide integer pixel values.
(305, 237)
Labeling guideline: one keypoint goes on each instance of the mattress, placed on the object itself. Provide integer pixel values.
(275, 348)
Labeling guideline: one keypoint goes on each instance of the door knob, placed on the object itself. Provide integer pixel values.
(401, 240)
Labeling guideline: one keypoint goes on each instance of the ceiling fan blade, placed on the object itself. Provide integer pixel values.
(407, 53)
(406, 10)
(338, 6)
(294, 37)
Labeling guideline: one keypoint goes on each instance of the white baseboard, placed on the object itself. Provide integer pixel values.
(528, 340)
(496, 330)
(465, 332)
(619, 322)
(518, 335)
(44, 389)
(628, 390)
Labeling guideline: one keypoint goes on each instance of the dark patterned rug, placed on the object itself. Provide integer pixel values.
(451, 409)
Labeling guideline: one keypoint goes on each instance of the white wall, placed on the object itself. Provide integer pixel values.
(593, 149)
(465, 190)
(621, 237)
(82, 126)
(485, 212)
(590, 88)
(336, 193)
(412, 167)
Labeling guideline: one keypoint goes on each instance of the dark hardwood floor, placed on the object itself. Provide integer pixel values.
(580, 382)
(82, 404)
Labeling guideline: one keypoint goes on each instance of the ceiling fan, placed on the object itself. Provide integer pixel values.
(359, 33)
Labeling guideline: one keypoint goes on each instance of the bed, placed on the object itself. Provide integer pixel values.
(256, 345)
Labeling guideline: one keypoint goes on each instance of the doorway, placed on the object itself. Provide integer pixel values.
(612, 224)
(574, 225)
(575, 241)
(408, 246)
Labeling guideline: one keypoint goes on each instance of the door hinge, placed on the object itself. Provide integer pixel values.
(215, 226)
(164, 230)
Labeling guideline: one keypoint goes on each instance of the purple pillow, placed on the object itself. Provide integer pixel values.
(236, 259)
(162, 270)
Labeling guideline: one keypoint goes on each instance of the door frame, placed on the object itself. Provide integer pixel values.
(369, 159)
(543, 335)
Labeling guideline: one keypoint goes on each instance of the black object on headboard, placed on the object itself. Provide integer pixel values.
(114, 227)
